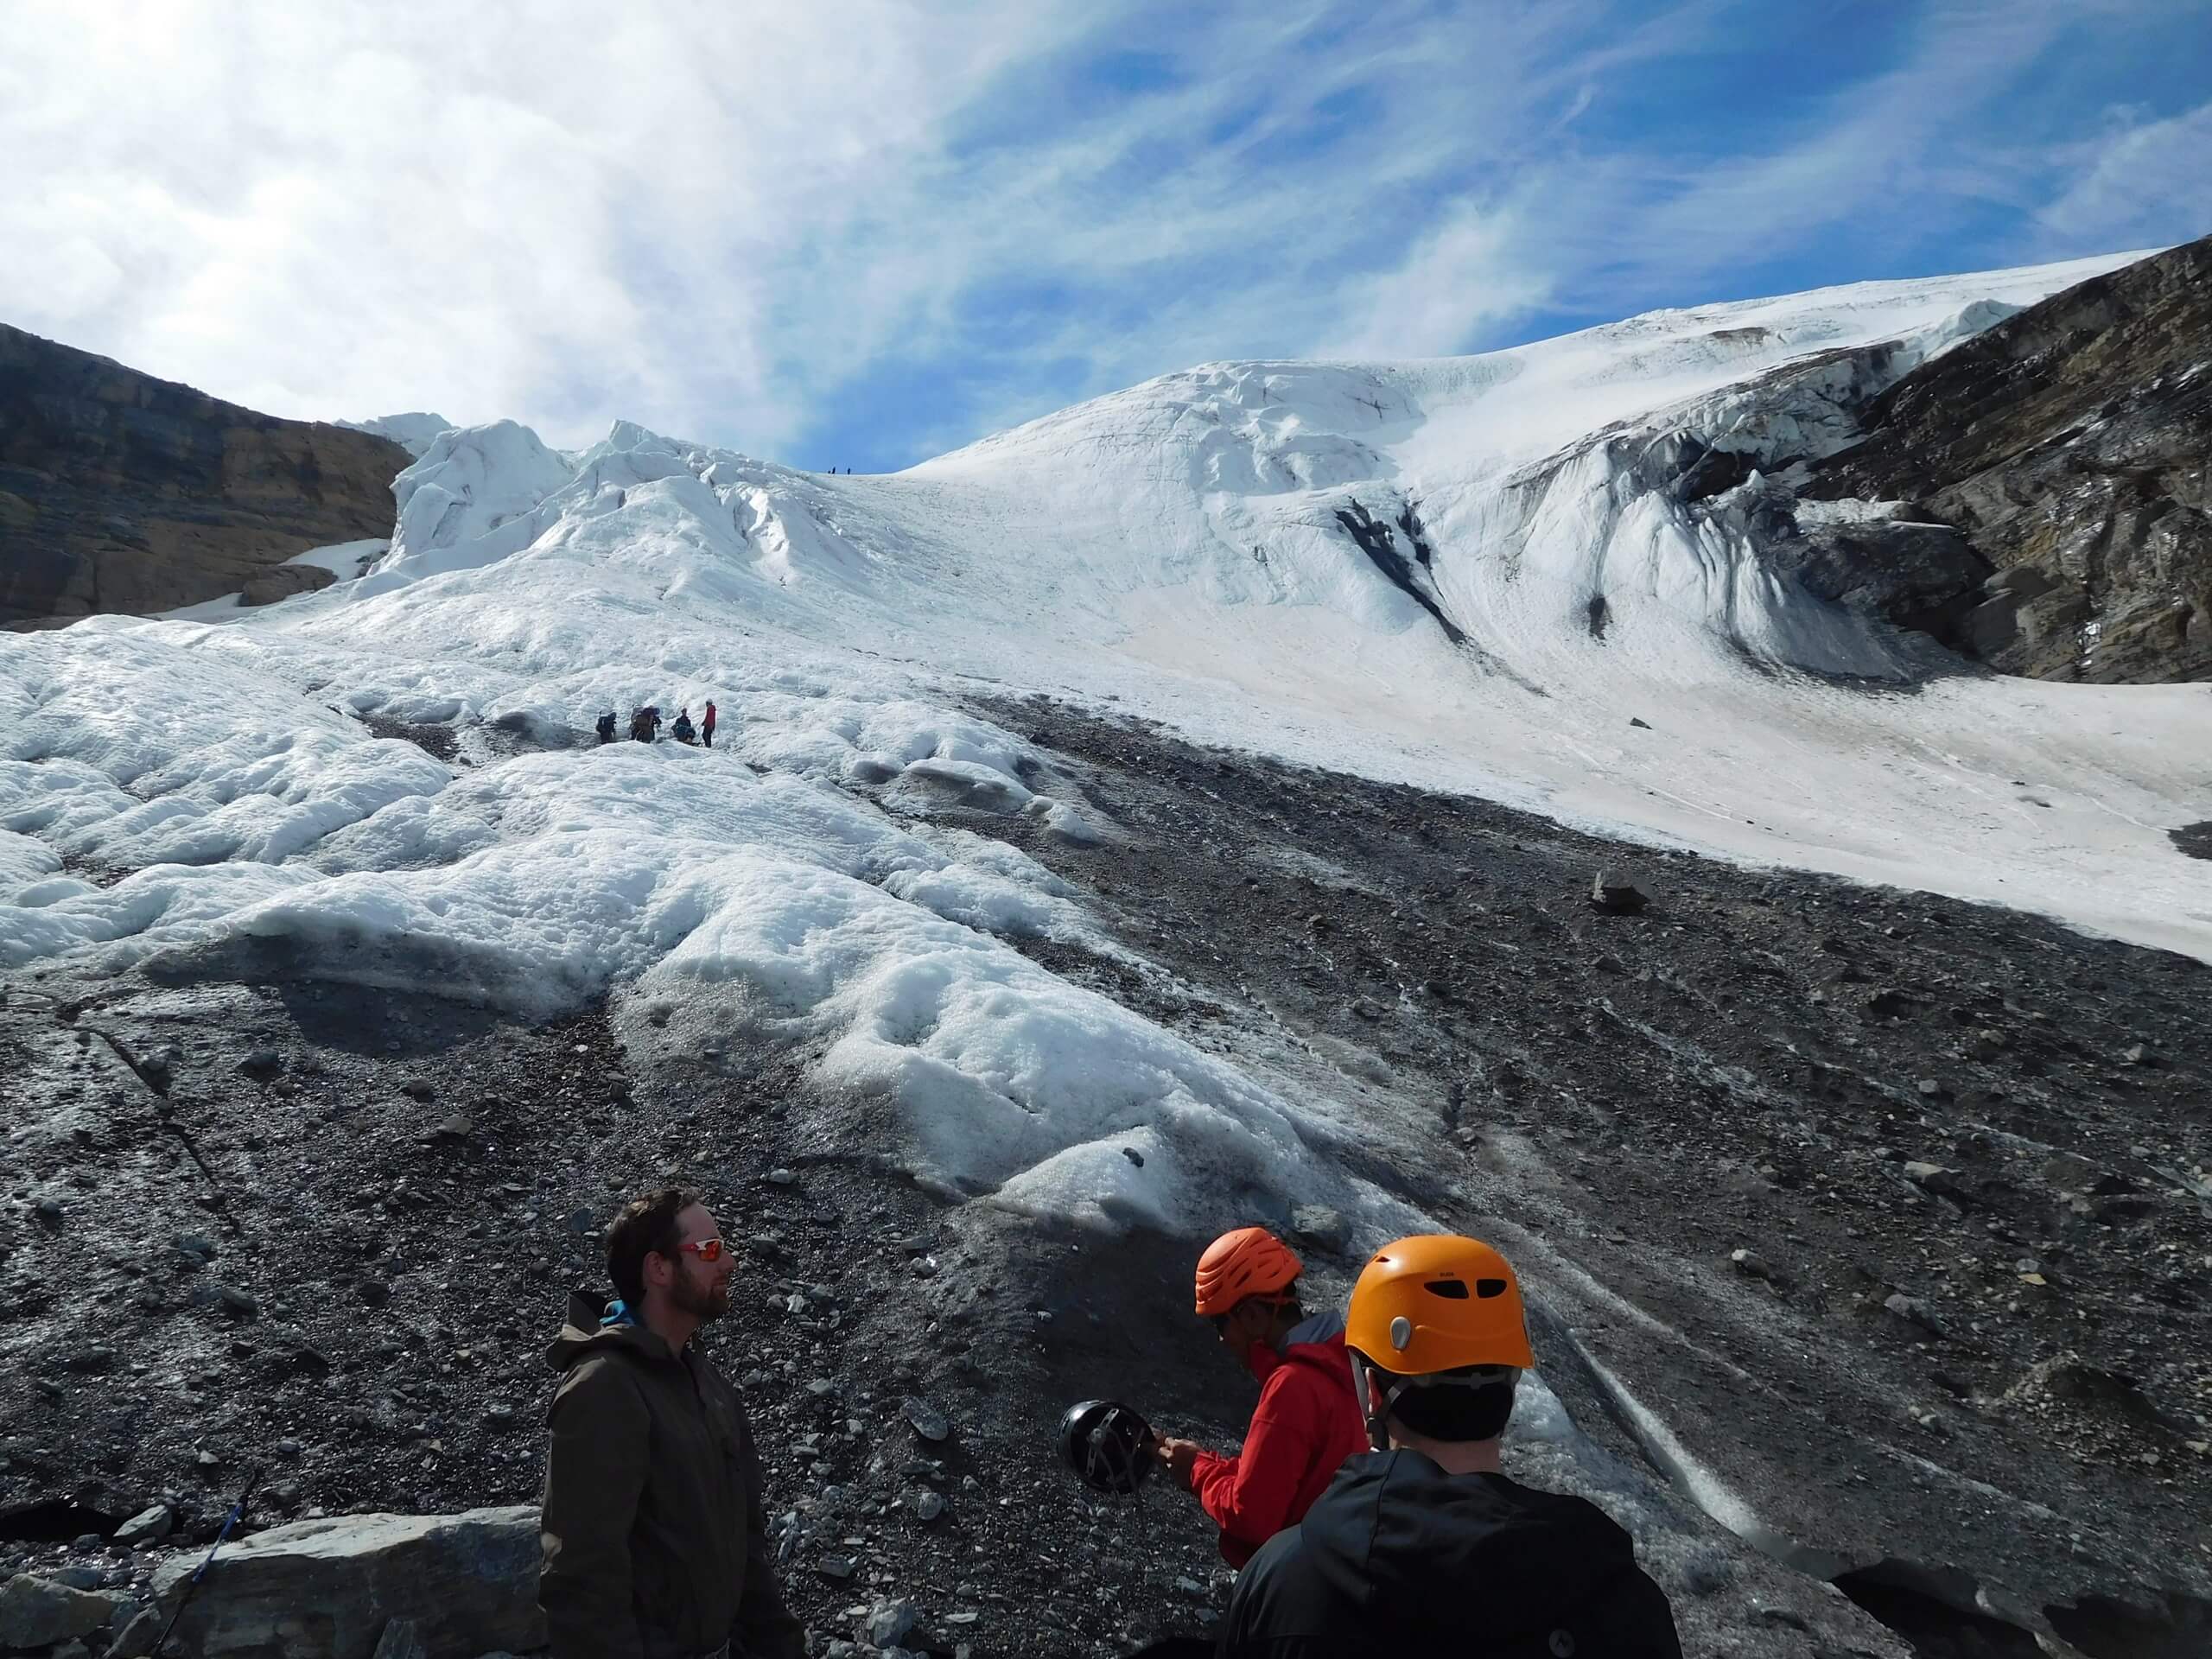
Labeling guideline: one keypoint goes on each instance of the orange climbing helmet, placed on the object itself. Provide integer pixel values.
(1434, 1303)
(1250, 1262)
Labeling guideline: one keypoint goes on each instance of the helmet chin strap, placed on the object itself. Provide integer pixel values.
(1377, 1420)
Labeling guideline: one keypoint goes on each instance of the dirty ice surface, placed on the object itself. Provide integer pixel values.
(189, 792)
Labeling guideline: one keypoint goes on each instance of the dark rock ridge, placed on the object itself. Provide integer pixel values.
(120, 493)
(2054, 517)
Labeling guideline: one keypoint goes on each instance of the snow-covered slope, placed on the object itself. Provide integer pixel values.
(414, 432)
(1469, 574)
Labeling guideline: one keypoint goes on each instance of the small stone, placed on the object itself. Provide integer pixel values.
(928, 1421)
(1913, 1311)
(459, 1127)
(153, 1524)
(928, 1505)
(238, 1303)
(375, 1292)
(1321, 1226)
(2137, 1054)
(50, 1211)
(288, 1448)
(1640, 725)
(96, 1358)
(1929, 1089)
(208, 1460)
(1134, 1156)
(834, 1566)
(781, 1178)
(1617, 898)
(416, 1090)
(1934, 1177)
(888, 1622)
(1751, 1264)
(196, 1248)
(499, 1414)
(262, 1063)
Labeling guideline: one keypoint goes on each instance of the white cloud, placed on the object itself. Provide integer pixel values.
(2135, 184)
(1474, 270)
(727, 224)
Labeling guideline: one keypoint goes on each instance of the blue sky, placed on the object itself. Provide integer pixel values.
(860, 235)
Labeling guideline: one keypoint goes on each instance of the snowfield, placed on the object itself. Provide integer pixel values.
(178, 791)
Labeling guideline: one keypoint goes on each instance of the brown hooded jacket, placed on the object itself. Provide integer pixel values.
(654, 1539)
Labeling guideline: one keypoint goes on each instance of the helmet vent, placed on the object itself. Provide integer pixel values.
(1401, 1332)
(1487, 1288)
(1454, 1288)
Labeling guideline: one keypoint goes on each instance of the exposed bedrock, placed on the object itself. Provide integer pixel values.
(121, 492)
(2067, 445)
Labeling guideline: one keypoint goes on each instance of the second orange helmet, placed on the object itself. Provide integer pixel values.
(1250, 1262)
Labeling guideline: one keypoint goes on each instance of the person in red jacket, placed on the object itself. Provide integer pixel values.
(707, 727)
(1308, 1420)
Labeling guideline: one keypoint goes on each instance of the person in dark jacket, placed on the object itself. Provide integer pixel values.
(683, 731)
(645, 725)
(706, 726)
(607, 726)
(1425, 1546)
(1308, 1420)
(654, 1536)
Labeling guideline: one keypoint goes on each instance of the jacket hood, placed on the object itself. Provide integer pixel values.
(1321, 1335)
(593, 1322)
(1393, 1531)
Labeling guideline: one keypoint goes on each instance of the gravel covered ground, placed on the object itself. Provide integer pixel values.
(1881, 1218)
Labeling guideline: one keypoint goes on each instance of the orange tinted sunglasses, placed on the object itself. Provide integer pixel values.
(706, 1249)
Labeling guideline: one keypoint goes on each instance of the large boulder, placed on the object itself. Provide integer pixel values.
(38, 1613)
(327, 1589)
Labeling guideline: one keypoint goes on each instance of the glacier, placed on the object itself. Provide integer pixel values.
(1470, 575)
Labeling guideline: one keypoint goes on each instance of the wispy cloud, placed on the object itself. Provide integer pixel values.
(2135, 183)
(855, 233)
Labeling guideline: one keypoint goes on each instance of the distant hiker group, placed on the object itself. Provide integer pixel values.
(645, 723)
(1368, 1510)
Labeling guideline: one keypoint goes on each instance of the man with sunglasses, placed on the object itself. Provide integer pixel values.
(1308, 1420)
(654, 1534)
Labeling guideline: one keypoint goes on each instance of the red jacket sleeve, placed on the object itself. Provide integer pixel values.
(1249, 1495)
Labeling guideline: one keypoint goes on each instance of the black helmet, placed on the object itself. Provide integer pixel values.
(1108, 1446)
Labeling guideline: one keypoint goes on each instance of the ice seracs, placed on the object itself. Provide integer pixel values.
(1466, 575)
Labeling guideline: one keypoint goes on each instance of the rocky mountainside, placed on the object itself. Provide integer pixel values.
(120, 493)
(2045, 484)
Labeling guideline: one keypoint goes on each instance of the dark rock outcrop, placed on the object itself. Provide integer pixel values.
(122, 492)
(2067, 448)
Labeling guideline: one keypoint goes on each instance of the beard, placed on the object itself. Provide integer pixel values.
(702, 1302)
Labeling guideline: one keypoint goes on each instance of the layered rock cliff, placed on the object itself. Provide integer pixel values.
(121, 492)
(2054, 465)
